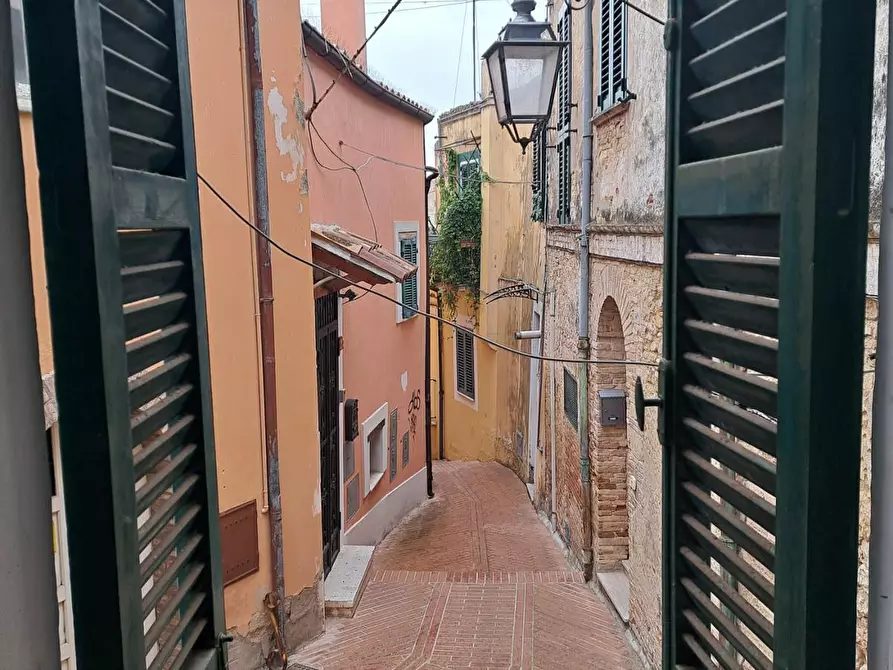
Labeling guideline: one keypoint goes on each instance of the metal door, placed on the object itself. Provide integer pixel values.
(327, 352)
(768, 145)
(119, 202)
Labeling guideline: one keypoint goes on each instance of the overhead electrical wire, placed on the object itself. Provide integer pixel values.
(362, 47)
(459, 59)
(415, 310)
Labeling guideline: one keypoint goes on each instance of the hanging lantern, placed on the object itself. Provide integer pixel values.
(523, 65)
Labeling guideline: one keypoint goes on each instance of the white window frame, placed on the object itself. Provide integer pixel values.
(461, 397)
(378, 418)
(403, 229)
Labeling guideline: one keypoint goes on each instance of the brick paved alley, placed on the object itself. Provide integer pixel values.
(473, 579)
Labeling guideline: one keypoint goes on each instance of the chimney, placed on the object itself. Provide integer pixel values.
(344, 23)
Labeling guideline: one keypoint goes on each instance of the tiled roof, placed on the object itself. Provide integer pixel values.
(338, 58)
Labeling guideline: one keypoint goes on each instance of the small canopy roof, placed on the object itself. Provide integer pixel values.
(355, 258)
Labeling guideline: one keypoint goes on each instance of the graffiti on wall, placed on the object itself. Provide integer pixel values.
(415, 404)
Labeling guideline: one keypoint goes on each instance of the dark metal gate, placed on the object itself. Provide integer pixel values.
(768, 147)
(119, 201)
(327, 352)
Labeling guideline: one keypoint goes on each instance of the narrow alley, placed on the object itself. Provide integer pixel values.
(473, 579)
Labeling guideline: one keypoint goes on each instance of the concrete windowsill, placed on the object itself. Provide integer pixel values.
(615, 586)
(374, 480)
(612, 112)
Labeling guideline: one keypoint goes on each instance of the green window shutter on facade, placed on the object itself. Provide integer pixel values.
(768, 137)
(120, 212)
(409, 251)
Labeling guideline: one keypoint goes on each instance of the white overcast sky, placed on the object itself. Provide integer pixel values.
(418, 50)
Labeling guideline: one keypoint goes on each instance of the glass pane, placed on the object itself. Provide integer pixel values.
(530, 74)
(496, 84)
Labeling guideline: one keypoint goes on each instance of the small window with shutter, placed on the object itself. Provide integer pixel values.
(563, 125)
(612, 87)
(406, 242)
(465, 364)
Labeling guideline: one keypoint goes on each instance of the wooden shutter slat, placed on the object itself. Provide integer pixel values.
(162, 516)
(746, 462)
(164, 616)
(144, 424)
(751, 390)
(748, 426)
(753, 235)
(122, 36)
(736, 310)
(153, 314)
(153, 383)
(163, 446)
(731, 19)
(126, 75)
(713, 547)
(728, 628)
(162, 584)
(164, 478)
(173, 537)
(144, 14)
(756, 276)
(750, 130)
(149, 281)
(750, 90)
(738, 348)
(138, 117)
(730, 597)
(742, 498)
(762, 44)
(146, 352)
(729, 522)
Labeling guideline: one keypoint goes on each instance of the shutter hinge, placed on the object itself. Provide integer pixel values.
(671, 34)
(223, 657)
(340, 343)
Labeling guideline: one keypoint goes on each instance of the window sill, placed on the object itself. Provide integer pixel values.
(612, 112)
(374, 480)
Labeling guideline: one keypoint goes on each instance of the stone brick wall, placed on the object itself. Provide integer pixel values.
(627, 291)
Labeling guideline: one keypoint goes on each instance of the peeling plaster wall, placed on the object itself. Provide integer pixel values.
(222, 128)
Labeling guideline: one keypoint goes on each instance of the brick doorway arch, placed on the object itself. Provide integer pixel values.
(610, 533)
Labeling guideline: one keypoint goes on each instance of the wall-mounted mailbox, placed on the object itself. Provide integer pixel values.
(613, 407)
(351, 419)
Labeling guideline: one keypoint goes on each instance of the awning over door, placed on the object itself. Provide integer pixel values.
(354, 258)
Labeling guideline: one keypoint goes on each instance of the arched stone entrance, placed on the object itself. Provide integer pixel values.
(610, 532)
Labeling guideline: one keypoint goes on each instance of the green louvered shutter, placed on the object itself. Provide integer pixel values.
(409, 251)
(115, 148)
(768, 145)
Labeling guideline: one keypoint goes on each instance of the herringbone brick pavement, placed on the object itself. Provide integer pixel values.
(472, 579)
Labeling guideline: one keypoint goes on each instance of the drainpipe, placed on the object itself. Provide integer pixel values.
(554, 510)
(440, 417)
(584, 344)
(29, 623)
(430, 175)
(880, 575)
(275, 601)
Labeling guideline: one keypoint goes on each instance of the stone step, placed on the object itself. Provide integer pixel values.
(347, 580)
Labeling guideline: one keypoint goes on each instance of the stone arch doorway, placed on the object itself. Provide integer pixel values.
(610, 532)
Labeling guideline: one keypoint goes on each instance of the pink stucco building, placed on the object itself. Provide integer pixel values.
(366, 176)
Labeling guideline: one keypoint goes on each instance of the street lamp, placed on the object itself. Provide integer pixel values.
(523, 66)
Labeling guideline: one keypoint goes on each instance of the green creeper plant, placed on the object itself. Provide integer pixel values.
(456, 257)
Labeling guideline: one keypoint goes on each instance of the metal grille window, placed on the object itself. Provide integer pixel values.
(465, 363)
(409, 290)
(612, 87)
(563, 144)
(571, 410)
